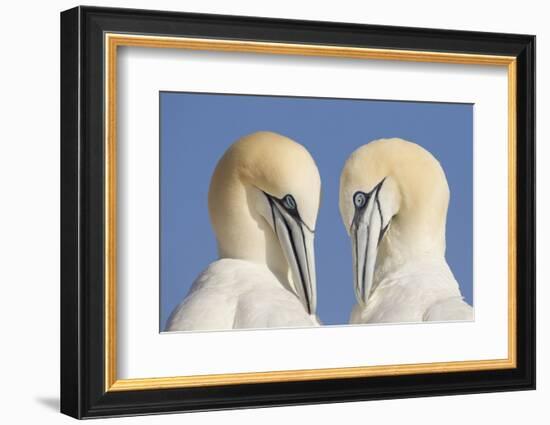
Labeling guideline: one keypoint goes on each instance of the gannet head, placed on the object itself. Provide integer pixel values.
(263, 202)
(393, 201)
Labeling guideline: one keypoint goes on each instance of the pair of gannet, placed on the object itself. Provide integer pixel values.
(263, 202)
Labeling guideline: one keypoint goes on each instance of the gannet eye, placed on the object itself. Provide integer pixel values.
(359, 199)
(289, 202)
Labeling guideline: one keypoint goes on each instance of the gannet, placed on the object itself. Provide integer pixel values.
(393, 202)
(263, 201)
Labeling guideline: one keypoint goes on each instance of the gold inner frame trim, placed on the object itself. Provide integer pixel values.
(113, 41)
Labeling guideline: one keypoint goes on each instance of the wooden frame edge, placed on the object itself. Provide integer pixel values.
(306, 375)
(114, 40)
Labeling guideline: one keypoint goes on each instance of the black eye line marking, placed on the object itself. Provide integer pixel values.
(359, 210)
(384, 228)
(383, 232)
(294, 213)
(272, 201)
(271, 206)
(364, 271)
(300, 271)
(356, 262)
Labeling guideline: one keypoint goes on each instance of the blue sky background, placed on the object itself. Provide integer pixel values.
(196, 129)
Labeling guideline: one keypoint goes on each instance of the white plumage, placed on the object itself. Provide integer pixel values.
(237, 294)
(417, 292)
(394, 198)
(263, 202)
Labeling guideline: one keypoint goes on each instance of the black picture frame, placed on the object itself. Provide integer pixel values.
(83, 392)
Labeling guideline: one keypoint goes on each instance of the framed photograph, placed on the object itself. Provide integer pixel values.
(261, 212)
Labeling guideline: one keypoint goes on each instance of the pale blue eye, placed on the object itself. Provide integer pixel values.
(289, 202)
(359, 199)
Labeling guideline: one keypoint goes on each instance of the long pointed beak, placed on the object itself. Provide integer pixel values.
(365, 235)
(296, 240)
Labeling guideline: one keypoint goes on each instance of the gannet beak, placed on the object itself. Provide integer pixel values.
(296, 240)
(366, 232)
